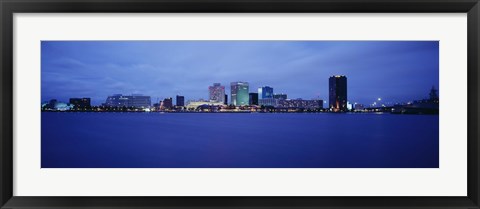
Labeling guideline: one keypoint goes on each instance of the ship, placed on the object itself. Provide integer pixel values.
(428, 106)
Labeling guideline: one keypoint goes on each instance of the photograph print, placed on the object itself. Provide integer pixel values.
(239, 104)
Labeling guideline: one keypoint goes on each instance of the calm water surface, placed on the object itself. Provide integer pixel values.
(233, 140)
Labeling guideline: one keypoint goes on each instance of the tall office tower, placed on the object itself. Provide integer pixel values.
(337, 87)
(167, 103)
(216, 93)
(265, 92)
(253, 98)
(225, 102)
(239, 93)
(180, 102)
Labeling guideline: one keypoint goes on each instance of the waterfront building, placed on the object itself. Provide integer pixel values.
(167, 104)
(135, 100)
(80, 102)
(300, 104)
(280, 96)
(195, 104)
(253, 98)
(216, 93)
(56, 105)
(349, 106)
(225, 102)
(265, 92)
(239, 93)
(337, 87)
(180, 101)
(60, 106)
(268, 102)
(359, 107)
(51, 103)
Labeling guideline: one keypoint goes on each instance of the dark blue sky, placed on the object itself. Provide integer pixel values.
(396, 71)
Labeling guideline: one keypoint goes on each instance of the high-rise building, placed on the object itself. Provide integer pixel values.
(180, 102)
(349, 106)
(225, 102)
(265, 92)
(239, 93)
(337, 87)
(80, 102)
(135, 100)
(280, 96)
(167, 103)
(253, 98)
(216, 93)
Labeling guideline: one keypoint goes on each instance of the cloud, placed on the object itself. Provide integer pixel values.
(400, 69)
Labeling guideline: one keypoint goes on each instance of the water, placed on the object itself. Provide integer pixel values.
(238, 140)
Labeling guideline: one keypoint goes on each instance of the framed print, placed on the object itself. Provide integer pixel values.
(239, 104)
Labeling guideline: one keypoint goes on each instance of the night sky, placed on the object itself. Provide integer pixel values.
(396, 71)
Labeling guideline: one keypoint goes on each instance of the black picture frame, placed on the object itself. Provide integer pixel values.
(9, 7)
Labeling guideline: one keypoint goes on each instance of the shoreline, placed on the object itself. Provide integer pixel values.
(240, 112)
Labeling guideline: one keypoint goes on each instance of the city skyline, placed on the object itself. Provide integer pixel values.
(396, 71)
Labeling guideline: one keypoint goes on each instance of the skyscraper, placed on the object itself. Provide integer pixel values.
(180, 101)
(167, 103)
(337, 87)
(253, 98)
(239, 93)
(216, 93)
(225, 102)
(265, 92)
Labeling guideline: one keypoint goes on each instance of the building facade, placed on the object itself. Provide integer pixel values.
(265, 92)
(358, 107)
(300, 104)
(136, 100)
(167, 104)
(280, 96)
(253, 98)
(180, 101)
(80, 103)
(239, 93)
(57, 106)
(337, 87)
(194, 104)
(268, 102)
(216, 93)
